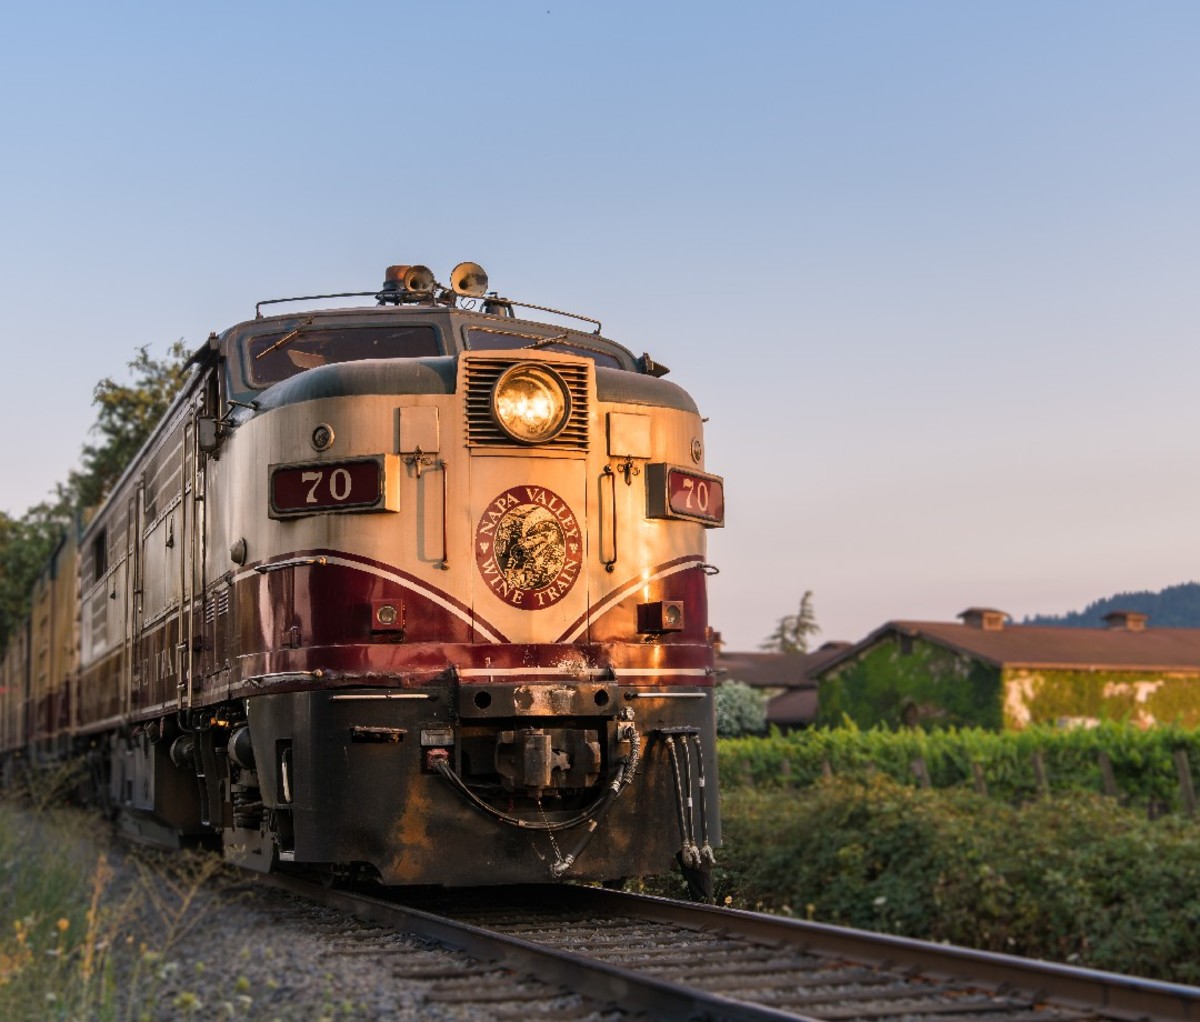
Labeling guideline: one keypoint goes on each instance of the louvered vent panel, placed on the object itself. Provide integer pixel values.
(484, 431)
(217, 607)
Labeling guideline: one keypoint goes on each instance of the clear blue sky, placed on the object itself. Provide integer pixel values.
(930, 267)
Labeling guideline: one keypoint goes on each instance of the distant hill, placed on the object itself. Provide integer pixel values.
(1174, 607)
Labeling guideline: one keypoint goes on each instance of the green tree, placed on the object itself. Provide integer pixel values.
(25, 546)
(12, 579)
(741, 710)
(794, 631)
(127, 415)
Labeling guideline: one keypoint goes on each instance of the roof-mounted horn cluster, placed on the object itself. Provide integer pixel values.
(415, 280)
(469, 280)
(416, 283)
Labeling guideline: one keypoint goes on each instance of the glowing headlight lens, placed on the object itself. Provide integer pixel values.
(531, 403)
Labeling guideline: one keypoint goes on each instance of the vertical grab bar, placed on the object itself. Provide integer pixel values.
(185, 544)
(612, 490)
(445, 565)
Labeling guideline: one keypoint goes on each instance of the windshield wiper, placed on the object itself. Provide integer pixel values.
(291, 335)
(545, 342)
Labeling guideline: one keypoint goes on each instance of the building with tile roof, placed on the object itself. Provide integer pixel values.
(786, 678)
(985, 671)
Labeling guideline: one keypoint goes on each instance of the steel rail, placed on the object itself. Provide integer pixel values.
(608, 984)
(1108, 994)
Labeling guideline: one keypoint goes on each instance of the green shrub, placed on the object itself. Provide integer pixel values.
(1073, 879)
(741, 710)
(1142, 760)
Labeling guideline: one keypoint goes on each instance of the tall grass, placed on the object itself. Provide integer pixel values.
(56, 933)
(78, 940)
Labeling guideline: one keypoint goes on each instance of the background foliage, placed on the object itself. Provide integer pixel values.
(25, 545)
(1142, 760)
(794, 632)
(1074, 878)
(127, 413)
(741, 710)
(929, 685)
(1175, 606)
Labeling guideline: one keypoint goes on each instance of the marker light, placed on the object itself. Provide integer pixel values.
(531, 403)
(660, 616)
(386, 615)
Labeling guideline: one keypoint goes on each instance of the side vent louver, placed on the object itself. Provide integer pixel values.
(483, 431)
(217, 607)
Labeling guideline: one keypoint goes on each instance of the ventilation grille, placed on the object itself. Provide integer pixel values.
(217, 606)
(484, 431)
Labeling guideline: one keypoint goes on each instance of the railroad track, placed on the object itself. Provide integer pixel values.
(628, 955)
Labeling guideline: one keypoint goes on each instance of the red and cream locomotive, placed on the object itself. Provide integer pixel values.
(416, 590)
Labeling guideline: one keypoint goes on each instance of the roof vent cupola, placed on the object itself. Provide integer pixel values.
(985, 618)
(1125, 621)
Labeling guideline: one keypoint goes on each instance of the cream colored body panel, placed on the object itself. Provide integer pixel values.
(408, 537)
(460, 483)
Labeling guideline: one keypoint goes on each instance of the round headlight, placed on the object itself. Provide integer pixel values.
(531, 403)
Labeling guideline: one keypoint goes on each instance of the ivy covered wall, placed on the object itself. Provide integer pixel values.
(911, 682)
(1076, 696)
(927, 686)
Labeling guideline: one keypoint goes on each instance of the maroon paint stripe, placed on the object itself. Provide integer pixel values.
(407, 576)
(614, 597)
(617, 595)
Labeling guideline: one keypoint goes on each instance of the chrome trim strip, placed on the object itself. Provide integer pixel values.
(586, 672)
(295, 562)
(260, 679)
(539, 672)
(665, 695)
(382, 695)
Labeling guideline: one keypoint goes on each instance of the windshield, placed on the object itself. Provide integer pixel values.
(275, 357)
(488, 339)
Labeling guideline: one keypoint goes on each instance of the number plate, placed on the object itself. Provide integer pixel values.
(329, 486)
(673, 492)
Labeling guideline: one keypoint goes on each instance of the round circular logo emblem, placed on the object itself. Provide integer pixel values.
(528, 547)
